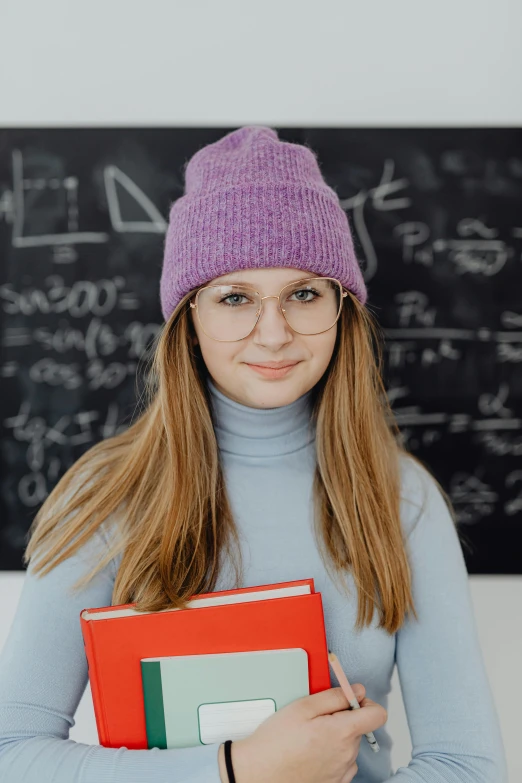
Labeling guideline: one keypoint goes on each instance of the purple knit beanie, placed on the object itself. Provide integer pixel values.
(252, 200)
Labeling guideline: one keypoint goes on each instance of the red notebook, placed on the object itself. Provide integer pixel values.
(264, 617)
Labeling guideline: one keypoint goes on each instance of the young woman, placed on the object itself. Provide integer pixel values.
(267, 452)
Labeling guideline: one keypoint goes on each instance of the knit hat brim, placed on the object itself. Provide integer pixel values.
(221, 232)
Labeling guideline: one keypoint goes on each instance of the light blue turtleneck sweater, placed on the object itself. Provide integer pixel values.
(269, 457)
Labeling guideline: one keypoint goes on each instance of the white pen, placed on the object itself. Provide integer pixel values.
(350, 695)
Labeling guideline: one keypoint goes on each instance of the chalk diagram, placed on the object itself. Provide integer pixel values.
(14, 207)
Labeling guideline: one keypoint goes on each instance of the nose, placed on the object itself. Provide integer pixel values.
(272, 317)
(275, 309)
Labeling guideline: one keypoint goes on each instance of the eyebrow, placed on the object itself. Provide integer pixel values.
(235, 281)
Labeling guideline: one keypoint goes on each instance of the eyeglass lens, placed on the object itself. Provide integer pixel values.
(229, 312)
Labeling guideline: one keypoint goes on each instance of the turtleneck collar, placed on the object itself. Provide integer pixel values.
(261, 432)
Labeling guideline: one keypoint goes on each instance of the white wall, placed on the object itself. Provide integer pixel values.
(281, 62)
(278, 62)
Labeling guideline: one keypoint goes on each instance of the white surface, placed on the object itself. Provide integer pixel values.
(241, 598)
(496, 601)
(281, 62)
(232, 719)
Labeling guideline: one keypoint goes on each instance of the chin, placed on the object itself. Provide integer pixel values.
(274, 395)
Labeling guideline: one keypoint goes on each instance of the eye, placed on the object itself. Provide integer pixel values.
(306, 291)
(232, 296)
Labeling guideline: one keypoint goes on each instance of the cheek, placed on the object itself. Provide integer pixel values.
(216, 355)
(323, 346)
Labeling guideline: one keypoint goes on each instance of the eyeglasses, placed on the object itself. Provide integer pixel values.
(230, 312)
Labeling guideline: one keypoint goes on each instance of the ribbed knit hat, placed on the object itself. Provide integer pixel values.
(252, 200)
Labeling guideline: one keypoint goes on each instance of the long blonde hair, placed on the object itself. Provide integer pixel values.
(162, 481)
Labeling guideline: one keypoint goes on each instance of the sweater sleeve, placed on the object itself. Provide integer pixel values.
(448, 700)
(43, 675)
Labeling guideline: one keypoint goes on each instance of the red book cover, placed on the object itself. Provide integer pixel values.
(114, 647)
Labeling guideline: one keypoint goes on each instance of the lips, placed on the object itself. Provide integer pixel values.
(273, 372)
(274, 365)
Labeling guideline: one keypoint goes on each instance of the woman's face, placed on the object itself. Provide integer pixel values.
(272, 340)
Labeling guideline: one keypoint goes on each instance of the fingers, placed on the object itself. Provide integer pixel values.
(323, 703)
(371, 716)
(359, 691)
(329, 701)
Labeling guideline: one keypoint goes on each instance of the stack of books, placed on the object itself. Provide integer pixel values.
(207, 673)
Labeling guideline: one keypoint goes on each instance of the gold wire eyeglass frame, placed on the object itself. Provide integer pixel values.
(343, 291)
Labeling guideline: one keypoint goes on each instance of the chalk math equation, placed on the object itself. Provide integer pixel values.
(437, 228)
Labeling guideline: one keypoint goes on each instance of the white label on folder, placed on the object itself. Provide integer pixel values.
(232, 719)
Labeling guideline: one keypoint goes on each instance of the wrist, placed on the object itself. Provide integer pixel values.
(222, 766)
(236, 752)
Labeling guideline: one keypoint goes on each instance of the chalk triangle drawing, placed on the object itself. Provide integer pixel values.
(114, 177)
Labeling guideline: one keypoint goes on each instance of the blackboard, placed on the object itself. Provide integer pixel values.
(436, 215)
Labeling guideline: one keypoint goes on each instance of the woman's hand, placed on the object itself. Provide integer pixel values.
(313, 738)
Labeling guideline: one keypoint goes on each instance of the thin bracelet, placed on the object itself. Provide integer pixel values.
(228, 761)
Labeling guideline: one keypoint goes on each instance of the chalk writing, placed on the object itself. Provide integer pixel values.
(435, 216)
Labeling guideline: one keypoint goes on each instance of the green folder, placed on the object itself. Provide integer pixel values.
(202, 699)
